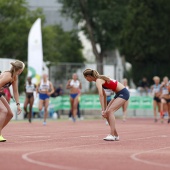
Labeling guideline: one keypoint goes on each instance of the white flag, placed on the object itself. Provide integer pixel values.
(35, 52)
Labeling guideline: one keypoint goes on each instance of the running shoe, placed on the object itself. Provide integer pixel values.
(2, 139)
(44, 123)
(111, 138)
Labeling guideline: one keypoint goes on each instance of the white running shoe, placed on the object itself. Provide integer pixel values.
(111, 138)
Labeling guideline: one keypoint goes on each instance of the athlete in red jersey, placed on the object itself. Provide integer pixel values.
(122, 95)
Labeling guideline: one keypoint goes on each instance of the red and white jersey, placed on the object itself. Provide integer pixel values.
(112, 85)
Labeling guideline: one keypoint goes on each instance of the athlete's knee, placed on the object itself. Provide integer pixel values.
(10, 115)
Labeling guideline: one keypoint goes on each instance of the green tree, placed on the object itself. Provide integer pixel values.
(145, 38)
(15, 23)
(60, 46)
(102, 22)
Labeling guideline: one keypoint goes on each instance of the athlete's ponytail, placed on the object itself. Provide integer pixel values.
(95, 74)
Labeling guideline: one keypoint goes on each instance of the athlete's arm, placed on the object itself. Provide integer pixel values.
(102, 95)
(68, 86)
(52, 89)
(16, 94)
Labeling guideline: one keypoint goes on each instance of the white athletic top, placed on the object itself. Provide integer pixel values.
(74, 83)
(156, 88)
(165, 90)
(30, 88)
(44, 86)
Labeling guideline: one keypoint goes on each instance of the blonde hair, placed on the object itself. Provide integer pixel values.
(156, 78)
(95, 74)
(17, 65)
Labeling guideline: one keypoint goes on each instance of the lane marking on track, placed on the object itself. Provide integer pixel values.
(135, 158)
(50, 165)
(26, 155)
(90, 136)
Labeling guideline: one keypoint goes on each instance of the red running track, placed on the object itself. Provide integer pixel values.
(64, 145)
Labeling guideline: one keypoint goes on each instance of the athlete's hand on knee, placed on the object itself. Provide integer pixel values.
(104, 114)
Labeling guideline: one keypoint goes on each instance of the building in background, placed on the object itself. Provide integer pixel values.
(51, 10)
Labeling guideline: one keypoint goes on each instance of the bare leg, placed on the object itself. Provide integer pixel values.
(25, 107)
(75, 104)
(30, 108)
(113, 106)
(154, 110)
(46, 109)
(6, 113)
(125, 105)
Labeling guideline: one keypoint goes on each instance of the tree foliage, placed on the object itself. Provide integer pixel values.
(145, 37)
(60, 46)
(102, 22)
(15, 23)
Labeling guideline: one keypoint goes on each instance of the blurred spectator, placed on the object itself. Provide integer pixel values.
(108, 95)
(58, 91)
(143, 86)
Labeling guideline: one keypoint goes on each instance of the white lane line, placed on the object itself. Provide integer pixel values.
(50, 165)
(134, 157)
(26, 155)
(90, 136)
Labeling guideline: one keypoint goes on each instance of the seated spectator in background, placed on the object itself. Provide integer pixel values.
(58, 91)
(143, 86)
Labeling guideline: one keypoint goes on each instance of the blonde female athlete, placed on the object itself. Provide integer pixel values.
(8, 78)
(156, 92)
(122, 95)
(75, 90)
(45, 88)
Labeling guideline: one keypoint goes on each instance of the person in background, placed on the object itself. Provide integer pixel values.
(143, 86)
(75, 90)
(125, 105)
(122, 95)
(29, 99)
(156, 92)
(165, 98)
(58, 91)
(45, 88)
(7, 79)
